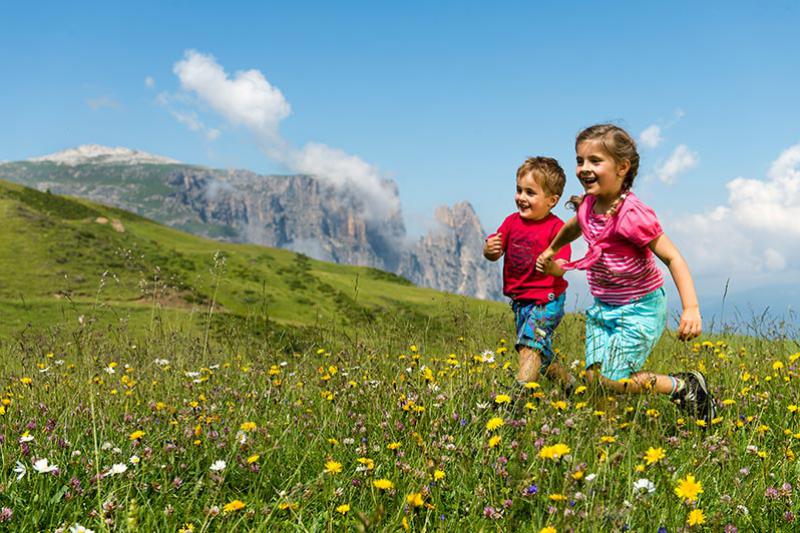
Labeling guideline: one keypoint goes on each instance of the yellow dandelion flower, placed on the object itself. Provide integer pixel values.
(548, 529)
(532, 385)
(494, 423)
(559, 405)
(248, 426)
(415, 499)
(557, 497)
(393, 445)
(438, 475)
(654, 455)
(235, 505)
(579, 390)
(502, 398)
(696, 518)
(253, 459)
(383, 484)
(688, 488)
(494, 441)
(332, 467)
(288, 506)
(343, 509)
(554, 452)
(138, 434)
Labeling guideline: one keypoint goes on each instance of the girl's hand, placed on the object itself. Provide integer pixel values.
(544, 260)
(691, 323)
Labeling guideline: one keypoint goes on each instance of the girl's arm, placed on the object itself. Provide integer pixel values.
(691, 323)
(568, 233)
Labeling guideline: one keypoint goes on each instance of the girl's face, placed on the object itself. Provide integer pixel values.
(600, 174)
(533, 203)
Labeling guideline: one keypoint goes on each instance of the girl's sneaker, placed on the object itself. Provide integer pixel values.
(695, 397)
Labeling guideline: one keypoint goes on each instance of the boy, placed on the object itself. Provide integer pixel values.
(536, 298)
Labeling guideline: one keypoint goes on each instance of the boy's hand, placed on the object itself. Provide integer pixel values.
(543, 262)
(691, 323)
(494, 246)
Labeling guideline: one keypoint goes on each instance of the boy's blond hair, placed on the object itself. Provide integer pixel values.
(546, 172)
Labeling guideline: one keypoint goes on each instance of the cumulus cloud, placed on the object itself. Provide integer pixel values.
(681, 160)
(754, 236)
(149, 82)
(248, 99)
(651, 136)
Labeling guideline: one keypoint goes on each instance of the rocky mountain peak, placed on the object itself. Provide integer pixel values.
(98, 154)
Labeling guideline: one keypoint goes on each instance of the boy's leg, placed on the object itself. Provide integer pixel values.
(530, 362)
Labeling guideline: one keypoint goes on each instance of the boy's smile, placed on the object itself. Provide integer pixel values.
(533, 203)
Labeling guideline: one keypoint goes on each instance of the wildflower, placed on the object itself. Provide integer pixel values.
(6, 513)
(26, 437)
(235, 505)
(248, 426)
(118, 468)
(494, 423)
(393, 445)
(557, 497)
(415, 499)
(343, 509)
(554, 452)
(332, 467)
(654, 455)
(42, 466)
(494, 441)
(696, 518)
(290, 506)
(134, 460)
(532, 385)
(579, 390)
(383, 484)
(25, 380)
(438, 475)
(502, 398)
(21, 470)
(643, 485)
(77, 528)
(548, 529)
(253, 458)
(218, 466)
(688, 488)
(136, 435)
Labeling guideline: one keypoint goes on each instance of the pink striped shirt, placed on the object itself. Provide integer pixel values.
(626, 269)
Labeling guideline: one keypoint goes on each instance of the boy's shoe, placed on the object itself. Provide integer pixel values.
(695, 397)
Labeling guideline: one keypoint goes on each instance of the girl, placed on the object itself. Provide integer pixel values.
(630, 311)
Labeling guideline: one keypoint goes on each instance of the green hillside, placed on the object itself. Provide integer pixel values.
(64, 258)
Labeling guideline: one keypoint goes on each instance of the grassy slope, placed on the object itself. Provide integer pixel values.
(58, 263)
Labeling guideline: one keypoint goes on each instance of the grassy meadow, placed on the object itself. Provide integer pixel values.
(155, 381)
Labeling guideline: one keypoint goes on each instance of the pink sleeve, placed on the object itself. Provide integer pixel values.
(639, 224)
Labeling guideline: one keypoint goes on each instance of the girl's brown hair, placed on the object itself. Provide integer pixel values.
(619, 144)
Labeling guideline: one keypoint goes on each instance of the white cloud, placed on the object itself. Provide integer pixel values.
(193, 122)
(102, 102)
(651, 136)
(755, 236)
(149, 82)
(681, 160)
(248, 99)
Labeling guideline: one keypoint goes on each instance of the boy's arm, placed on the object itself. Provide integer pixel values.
(568, 233)
(493, 249)
(691, 322)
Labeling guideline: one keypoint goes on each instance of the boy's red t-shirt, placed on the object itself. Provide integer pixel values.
(523, 242)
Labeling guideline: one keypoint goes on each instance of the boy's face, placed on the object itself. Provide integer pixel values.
(532, 202)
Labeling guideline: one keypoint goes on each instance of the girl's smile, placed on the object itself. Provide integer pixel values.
(598, 172)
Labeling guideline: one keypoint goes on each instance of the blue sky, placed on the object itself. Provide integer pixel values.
(447, 99)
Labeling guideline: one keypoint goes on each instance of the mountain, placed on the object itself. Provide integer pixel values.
(300, 213)
(68, 262)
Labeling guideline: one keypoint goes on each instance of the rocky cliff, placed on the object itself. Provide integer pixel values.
(299, 212)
